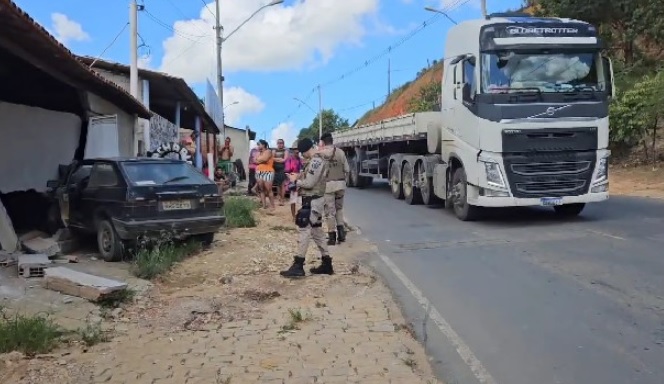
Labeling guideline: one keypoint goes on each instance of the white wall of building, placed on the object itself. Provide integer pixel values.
(36, 142)
(240, 142)
(126, 123)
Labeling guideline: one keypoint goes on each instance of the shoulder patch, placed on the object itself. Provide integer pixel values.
(316, 162)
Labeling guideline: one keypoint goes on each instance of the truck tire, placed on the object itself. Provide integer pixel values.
(426, 186)
(110, 245)
(395, 183)
(410, 192)
(353, 175)
(459, 197)
(569, 210)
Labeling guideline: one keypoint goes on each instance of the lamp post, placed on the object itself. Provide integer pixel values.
(434, 10)
(319, 113)
(220, 41)
(233, 103)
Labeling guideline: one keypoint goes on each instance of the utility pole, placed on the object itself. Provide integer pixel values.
(389, 78)
(320, 114)
(133, 66)
(219, 31)
(483, 8)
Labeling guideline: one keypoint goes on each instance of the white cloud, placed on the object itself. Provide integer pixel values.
(279, 38)
(285, 131)
(239, 103)
(66, 29)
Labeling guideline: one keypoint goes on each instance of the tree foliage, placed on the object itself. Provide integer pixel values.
(427, 99)
(331, 122)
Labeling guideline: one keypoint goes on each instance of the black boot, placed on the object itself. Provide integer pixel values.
(295, 270)
(342, 233)
(325, 268)
(331, 238)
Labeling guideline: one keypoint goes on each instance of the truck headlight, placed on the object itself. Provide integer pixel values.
(493, 175)
(602, 170)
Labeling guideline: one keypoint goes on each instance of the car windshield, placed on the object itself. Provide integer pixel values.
(512, 71)
(160, 173)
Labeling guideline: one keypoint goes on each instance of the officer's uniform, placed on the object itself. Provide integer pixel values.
(335, 189)
(309, 218)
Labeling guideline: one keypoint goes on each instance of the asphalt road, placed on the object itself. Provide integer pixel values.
(524, 297)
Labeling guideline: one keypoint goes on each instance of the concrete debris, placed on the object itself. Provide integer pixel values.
(41, 245)
(87, 286)
(32, 235)
(7, 259)
(32, 265)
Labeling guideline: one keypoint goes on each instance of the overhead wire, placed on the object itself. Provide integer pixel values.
(165, 25)
(110, 45)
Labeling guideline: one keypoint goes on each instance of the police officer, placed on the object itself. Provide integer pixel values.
(309, 218)
(335, 189)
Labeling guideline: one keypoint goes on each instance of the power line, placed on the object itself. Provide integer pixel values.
(187, 36)
(192, 45)
(184, 17)
(208, 8)
(110, 45)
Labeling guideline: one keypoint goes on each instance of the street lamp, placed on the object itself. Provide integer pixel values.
(320, 116)
(434, 10)
(220, 40)
(233, 103)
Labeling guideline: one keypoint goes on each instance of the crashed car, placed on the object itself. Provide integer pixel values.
(123, 200)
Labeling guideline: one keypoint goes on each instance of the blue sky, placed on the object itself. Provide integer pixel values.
(284, 52)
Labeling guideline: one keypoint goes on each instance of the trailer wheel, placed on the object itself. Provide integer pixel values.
(410, 192)
(395, 183)
(462, 210)
(426, 186)
(353, 176)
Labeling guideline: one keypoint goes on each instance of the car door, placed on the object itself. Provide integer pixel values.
(101, 193)
(70, 201)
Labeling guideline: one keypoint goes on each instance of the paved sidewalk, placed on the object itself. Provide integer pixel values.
(227, 317)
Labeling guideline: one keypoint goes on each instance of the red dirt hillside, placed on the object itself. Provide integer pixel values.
(399, 101)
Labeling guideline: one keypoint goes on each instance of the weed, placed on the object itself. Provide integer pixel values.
(92, 334)
(118, 298)
(296, 315)
(152, 261)
(410, 362)
(239, 212)
(28, 334)
(320, 305)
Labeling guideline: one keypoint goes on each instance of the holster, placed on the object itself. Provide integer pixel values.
(303, 217)
(306, 201)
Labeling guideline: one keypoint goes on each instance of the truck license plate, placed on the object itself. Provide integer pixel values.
(176, 205)
(551, 201)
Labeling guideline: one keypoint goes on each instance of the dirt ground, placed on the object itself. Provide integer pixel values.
(226, 316)
(642, 181)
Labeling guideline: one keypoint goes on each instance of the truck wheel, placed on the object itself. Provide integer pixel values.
(459, 197)
(395, 184)
(110, 246)
(353, 175)
(569, 210)
(410, 192)
(426, 186)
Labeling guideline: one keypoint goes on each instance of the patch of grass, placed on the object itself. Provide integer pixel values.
(296, 317)
(28, 334)
(239, 212)
(150, 262)
(92, 334)
(410, 362)
(118, 298)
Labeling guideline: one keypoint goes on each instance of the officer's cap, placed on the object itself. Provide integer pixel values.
(304, 145)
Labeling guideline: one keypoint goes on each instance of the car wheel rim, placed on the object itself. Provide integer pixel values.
(105, 240)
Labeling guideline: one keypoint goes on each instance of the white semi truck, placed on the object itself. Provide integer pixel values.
(523, 121)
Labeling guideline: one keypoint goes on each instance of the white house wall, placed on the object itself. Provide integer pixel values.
(121, 80)
(126, 123)
(36, 142)
(240, 142)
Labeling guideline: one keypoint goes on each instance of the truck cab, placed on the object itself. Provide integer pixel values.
(524, 116)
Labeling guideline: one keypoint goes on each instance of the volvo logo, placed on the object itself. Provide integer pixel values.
(550, 111)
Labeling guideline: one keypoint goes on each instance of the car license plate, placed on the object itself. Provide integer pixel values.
(551, 201)
(176, 205)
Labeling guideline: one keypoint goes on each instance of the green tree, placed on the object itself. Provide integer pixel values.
(637, 113)
(331, 122)
(427, 99)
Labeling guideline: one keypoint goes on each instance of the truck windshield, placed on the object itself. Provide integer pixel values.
(160, 173)
(510, 71)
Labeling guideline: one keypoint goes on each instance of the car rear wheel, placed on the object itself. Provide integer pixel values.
(206, 239)
(110, 245)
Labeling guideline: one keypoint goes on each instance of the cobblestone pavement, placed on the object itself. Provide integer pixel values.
(227, 317)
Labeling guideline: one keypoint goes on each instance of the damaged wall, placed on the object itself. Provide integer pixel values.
(36, 142)
(125, 121)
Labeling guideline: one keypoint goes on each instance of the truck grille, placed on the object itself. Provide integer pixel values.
(549, 174)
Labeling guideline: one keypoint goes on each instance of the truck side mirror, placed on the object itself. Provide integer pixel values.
(607, 67)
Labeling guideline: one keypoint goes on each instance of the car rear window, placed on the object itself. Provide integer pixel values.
(159, 173)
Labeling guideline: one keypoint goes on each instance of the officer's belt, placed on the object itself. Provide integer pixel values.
(342, 179)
